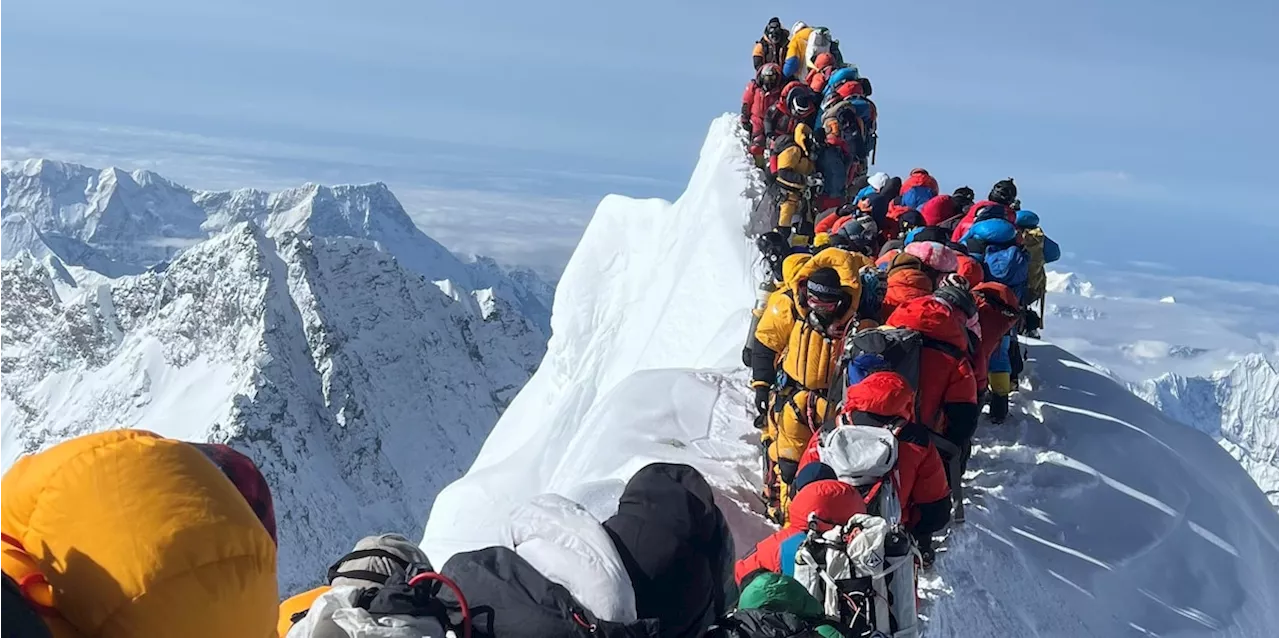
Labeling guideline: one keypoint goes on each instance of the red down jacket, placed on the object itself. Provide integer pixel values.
(947, 388)
(906, 281)
(922, 479)
(831, 500)
(997, 312)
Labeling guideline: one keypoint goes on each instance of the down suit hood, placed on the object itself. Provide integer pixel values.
(676, 547)
(933, 318)
(883, 394)
(139, 535)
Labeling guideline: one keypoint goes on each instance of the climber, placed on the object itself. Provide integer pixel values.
(875, 184)
(823, 66)
(773, 605)
(966, 265)
(938, 209)
(793, 65)
(906, 280)
(918, 189)
(993, 240)
(998, 314)
(772, 46)
(842, 152)
(369, 565)
(796, 105)
(833, 502)
(1003, 194)
(792, 362)
(962, 200)
(947, 392)
(126, 533)
(677, 549)
(247, 479)
(845, 74)
(762, 92)
(885, 399)
(793, 176)
(1042, 251)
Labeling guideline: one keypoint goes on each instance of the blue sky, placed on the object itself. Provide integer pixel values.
(1132, 127)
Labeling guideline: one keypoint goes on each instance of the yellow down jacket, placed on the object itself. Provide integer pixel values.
(807, 353)
(125, 533)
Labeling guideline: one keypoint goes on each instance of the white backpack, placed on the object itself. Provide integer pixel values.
(863, 573)
(866, 456)
(334, 614)
(819, 43)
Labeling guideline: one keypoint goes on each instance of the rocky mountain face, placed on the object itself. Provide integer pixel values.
(1238, 407)
(358, 362)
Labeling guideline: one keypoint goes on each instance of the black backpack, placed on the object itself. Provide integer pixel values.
(762, 623)
(508, 598)
(17, 618)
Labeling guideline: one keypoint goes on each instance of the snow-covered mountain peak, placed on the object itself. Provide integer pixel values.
(117, 223)
(1236, 406)
(1068, 283)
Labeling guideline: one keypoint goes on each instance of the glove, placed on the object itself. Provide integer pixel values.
(756, 150)
(762, 399)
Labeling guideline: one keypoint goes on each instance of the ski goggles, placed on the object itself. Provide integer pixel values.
(824, 306)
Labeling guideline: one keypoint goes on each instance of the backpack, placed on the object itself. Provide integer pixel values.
(777, 145)
(863, 573)
(1033, 241)
(20, 615)
(819, 43)
(764, 623)
(506, 596)
(866, 455)
(1010, 265)
(878, 349)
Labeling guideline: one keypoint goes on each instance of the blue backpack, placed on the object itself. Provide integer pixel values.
(1009, 264)
(916, 196)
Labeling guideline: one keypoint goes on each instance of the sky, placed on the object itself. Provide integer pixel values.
(1131, 127)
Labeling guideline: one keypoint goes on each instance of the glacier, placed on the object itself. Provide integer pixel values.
(1091, 512)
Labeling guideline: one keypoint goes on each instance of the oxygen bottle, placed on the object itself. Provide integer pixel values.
(763, 293)
(899, 555)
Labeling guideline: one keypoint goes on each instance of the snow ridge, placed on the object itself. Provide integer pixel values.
(1092, 513)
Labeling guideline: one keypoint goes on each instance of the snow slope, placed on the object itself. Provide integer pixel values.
(359, 387)
(1207, 361)
(1092, 514)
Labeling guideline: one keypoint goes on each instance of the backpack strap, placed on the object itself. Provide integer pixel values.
(945, 348)
(363, 574)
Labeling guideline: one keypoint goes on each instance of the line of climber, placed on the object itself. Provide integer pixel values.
(888, 320)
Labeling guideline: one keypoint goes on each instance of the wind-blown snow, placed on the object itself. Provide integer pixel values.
(1091, 513)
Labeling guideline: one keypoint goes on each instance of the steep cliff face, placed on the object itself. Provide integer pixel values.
(300, 327)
